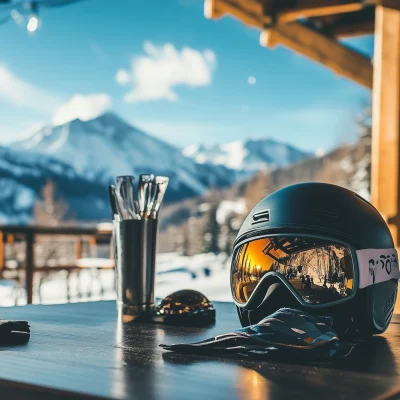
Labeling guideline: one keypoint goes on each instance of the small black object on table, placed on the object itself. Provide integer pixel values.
(79, 351)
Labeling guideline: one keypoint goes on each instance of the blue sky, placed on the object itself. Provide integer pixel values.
(69, 66)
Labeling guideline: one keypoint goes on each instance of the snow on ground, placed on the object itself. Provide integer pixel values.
(229, 207)
(208, 273)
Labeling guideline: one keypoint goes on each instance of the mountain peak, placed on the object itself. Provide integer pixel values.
(101, 122)
(111, 118)
(247, 156)
(107, 119)
(107, 146)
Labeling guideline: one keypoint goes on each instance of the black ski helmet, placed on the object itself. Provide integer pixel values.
(328, 213)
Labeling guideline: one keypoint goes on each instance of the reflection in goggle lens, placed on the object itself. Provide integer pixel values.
(320, 271)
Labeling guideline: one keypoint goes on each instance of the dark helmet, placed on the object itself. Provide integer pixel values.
(319, 248)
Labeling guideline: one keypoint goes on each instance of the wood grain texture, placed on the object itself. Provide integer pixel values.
(394, 4)
(385, 157)
(250, 12)
(78, 350)
(322, 49)
(385, 166)
(314, 8)
(296, 36)
(260, 12)
(352, 24)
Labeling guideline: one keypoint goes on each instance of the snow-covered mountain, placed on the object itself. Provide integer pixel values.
(247, 156)
(83, 157)
(23, 176)
(107, 146)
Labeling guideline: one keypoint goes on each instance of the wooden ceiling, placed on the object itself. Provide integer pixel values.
(310, 27)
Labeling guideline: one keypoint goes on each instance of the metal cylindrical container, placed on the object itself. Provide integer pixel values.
(135, 246)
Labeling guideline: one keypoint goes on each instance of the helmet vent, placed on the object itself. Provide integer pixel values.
(262, 216)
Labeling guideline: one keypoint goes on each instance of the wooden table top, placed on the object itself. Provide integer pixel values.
(80, 351)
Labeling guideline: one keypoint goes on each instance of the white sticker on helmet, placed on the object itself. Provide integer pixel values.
(377, 265)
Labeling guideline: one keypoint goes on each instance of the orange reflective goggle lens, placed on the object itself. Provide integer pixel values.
(318, 270)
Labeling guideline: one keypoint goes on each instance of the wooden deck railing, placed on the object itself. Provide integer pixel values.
(29, 234)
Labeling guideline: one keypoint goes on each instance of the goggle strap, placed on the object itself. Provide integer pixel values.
(376, 266)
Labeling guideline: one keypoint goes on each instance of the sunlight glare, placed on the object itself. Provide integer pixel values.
(33, 24)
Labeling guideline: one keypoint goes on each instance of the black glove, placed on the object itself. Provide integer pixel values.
(14, 332)
(285, 335)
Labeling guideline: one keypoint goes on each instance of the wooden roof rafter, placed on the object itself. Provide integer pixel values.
(393, 4)
(309, 27)
(346, 25)
(322, 49)
(280, 11)
(291, 10)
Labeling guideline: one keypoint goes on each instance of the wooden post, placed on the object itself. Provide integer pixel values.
(385, 174)
(385, 187)
(78, 248)
(93, 246)
(30, 265)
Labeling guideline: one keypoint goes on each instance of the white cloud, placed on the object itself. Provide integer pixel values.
(155, 74)
(123, 77)
(23, 94)
(84, 107)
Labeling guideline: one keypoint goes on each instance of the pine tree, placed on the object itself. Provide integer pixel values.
(186, 240)
(211, 231)
(256, 189)
(363, 154)
(50, 209)
(231, 233)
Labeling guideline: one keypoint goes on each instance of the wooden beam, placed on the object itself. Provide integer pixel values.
(393, 4)
(356, 29)
(322, 49)
(290, 11)
(385, 179)
(257, 13)
(306, 41)
(345, 25)
(354, 24)
(249, 12)
(211, 10)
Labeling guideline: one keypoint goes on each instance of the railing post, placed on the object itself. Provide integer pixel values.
(2, 255)
(30, 265)
(78, 248)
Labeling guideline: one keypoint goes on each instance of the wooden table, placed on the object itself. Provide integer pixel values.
(79, 351)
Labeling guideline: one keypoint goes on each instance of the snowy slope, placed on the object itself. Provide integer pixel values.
(247, 156)
(107, 146)
(23, 175)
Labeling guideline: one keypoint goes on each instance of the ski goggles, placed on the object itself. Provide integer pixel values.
(317, 271)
